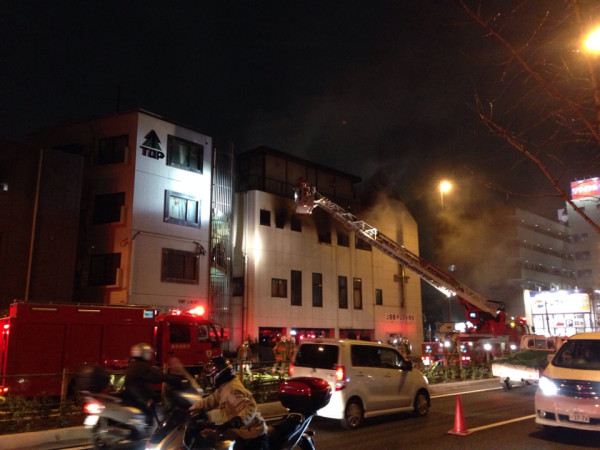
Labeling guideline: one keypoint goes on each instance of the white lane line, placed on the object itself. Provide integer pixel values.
(497, 424)
(466, 392)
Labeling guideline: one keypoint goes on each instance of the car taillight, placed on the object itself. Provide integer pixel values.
(291, 370)
(340, 378)
(93, 408)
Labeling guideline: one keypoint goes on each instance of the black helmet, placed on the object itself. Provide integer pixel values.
(218, 371)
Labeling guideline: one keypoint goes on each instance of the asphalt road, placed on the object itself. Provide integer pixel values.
(494, 419)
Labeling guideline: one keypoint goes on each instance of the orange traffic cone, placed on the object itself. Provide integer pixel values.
(460, 427)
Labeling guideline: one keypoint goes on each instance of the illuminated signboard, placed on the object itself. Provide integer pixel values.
(559, 302)
(585, 188)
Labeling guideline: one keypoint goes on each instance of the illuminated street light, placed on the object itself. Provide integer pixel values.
(592, 41)
(445, 186)
(592, 45)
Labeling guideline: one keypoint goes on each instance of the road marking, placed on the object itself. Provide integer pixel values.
(466, 392)
(497, 424)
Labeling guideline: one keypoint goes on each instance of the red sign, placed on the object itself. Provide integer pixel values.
(585, 188)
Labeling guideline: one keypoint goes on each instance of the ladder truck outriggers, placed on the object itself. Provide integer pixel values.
(487, 318)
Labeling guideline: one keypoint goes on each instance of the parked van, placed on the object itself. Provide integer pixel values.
(367, 379)
(569, 390)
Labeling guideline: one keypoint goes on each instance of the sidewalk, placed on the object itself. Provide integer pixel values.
(78, 436)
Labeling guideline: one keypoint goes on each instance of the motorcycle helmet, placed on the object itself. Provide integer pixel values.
(142, 351)
(218, 371)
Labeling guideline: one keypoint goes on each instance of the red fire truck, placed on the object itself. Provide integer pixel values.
(476, 347)
(42, 345)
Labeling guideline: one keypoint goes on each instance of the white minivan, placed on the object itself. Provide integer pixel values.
(367, 379)
(568, 392)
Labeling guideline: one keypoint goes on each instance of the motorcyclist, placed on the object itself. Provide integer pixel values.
(238, 407)
(139, 377)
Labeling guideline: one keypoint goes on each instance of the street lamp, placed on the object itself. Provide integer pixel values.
(592, 41)
(445, 186)
(592, 45)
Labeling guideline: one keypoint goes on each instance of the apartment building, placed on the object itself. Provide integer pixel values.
(145, 211)
(304, 275)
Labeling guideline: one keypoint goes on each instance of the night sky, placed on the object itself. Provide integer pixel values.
(374, 88)
(357, 85)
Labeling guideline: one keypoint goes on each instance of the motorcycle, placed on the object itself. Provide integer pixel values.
(302, 397)
(113, 419)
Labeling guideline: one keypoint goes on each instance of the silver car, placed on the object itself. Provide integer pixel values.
(367, 378)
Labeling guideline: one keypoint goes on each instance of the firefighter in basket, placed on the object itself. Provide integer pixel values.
(236, 404)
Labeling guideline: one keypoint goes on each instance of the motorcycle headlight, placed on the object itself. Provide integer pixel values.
(547, 386)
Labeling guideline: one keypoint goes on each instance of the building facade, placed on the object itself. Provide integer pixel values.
(135, 209)
(304, 275)
(144, 233)
(39, 216)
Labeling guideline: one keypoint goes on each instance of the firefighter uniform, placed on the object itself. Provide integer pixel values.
(233, 399)
(281, 355)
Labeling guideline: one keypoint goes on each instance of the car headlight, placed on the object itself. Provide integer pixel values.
(547, 386)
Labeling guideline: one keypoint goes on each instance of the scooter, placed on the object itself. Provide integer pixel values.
(302, 396)
(114, 421)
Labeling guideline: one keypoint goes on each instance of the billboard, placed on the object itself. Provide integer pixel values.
(585, 188)
(559, 302)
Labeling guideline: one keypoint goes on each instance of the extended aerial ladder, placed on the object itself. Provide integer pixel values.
(307, 198)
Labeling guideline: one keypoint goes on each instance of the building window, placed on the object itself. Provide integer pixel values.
(357, 293)
(185, 154)
(317, 290)
(343, 239)
(580, 237)
(112, 150)
(265, 217)
(278, 288)
(107, 207)
(582, 256)
(342, 292)
(280, 219)
(296, 224)
(179, 333)
(585, 273)
(179, 266)
(296, 288)
(324, 236)
(103, 269)
(237, 288)
(361, 244)
(378, 297)
(182, 209)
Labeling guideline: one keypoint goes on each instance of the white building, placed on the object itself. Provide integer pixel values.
(146, 210)
(158, 227)
(305, 275)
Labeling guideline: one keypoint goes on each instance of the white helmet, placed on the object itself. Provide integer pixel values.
(143, 351)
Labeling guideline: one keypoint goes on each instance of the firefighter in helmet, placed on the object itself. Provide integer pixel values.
(281, 355)
(238, 408)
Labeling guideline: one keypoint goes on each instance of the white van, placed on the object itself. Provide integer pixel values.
(367, 379)
(569, 390)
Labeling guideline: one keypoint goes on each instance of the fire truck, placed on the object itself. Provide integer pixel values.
(474, 347)
(487, 319)
(43, 344)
